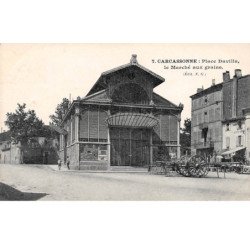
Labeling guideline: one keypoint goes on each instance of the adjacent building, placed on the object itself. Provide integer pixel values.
(9, 153)
(220, 118)
(207, 113)
(121, 122)
(236, 123)
(39, 150)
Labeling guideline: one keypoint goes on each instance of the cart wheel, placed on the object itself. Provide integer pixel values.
(197, 166)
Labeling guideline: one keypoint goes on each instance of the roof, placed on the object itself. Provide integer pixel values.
(101, 83)
(58, 129)
(209, 90)
(135, 120)
(5, 136)
(100, 96)
(160, 101)
(232, 151)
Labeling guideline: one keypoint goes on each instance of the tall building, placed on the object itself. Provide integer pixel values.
(207, 113)
(220, 118)
(236, 120)
(121, 122)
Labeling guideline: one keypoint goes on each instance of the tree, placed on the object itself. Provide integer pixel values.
(185, 137)
(187, 126)
(25, 125)
(60, 111)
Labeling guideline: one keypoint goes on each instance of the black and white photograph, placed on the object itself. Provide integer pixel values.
(125, 126)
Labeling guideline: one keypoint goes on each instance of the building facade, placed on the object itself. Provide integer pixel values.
(39, 150)
(121, 122)
(10, 153)
(220, 118)
(207, 113)
(236, 99)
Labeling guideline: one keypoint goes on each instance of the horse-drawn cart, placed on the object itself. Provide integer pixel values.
(196, 166)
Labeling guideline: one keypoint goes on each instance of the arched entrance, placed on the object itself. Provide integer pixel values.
(130, 93)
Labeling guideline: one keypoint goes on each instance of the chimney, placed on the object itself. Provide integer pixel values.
(213, 82)
(238, 73)
(226, 76)
(199, 90)
(133, 59)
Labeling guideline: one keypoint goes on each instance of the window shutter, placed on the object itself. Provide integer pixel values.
(93, 124)
(103, 130)
(84, 126)
(173, 128)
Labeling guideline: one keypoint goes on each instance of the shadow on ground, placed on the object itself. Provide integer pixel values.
(8, 193)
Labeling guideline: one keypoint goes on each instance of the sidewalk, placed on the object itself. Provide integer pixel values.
(113, 170)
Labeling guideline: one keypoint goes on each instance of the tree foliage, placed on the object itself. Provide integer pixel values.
(60, 111)
(185, 136)
(24, 124)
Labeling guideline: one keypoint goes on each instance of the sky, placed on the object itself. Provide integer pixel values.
(41, 75)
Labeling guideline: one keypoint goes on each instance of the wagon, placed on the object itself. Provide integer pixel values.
(194, 166)
(197, 166)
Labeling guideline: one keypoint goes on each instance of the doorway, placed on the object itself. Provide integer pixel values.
(129, 147)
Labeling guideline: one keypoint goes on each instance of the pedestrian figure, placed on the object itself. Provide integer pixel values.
(68, 162)
(59, 164)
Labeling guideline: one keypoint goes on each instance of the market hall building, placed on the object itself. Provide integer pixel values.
(121, 122)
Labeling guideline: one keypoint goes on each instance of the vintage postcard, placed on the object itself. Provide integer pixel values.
(118, 122)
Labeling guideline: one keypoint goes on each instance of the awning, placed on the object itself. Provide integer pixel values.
(232, 151)
(136, 120)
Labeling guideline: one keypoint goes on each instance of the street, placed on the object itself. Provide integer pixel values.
(31, 182)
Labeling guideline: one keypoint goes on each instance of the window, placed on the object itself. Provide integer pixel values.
(205, 100)
(239, 124)
(239, 141)
(228, 142)
(217, 113)
(205, 117)
(227, 127)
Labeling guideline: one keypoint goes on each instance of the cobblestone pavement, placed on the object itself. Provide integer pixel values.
(34, 182)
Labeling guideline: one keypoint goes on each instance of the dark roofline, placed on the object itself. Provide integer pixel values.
(5, 136)
(164, 99)
(207, 90)
(243, 76)
(93, 95)
(128, 65)
(105, 73)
